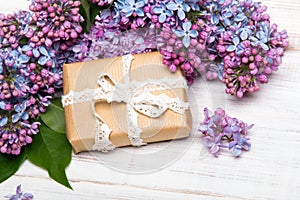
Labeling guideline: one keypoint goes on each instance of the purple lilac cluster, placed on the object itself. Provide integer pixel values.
(33, 50)
(160, 25)
(246, 47)
(106, 40)
(13, 28)
(221, 131)
(57, 21)
(229, 39)
(20, 195)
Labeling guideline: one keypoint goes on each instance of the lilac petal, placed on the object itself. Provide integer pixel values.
(25, 116)
(193, 33)
(215, 149)
(179, 33)
(264, 46)
(1, 68)
(208, 141)
(42, 60)
(26, 48)
(162, 18)
(131, 2)
(244, 35)
(43, 51)
(186, 7)
(127, 10)
(157, 10)
(36, 53)
(2, 105)
(249, 127)
(18, 190)
(16, 117)
(3, 121)
(23, 106)
(28, 195)
(246, 146)
(215, 19)
(186, 41)
(210, 132)
(240, 17)
(232, 144)
(235, 128)
(187, 26)
(17, 108)
(24, 59)
(203, 128)
(231, 48)
(140, 12)
(172, 6)
(181, 14)
(236, 40)
(140, 3)
(227, 131)
(236, 151)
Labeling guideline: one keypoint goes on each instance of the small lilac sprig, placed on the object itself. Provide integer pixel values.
(20, 195)
(221, 131)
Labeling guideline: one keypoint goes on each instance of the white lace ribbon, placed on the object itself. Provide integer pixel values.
(138, 99)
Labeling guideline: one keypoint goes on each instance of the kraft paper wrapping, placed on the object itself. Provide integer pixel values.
(80, 121)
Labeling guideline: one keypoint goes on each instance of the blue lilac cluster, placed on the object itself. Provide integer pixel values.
(245, 46)
(20, 195)
(221, 131)
(33, 48)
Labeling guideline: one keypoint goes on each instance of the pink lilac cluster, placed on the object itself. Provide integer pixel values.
(245, 46)
(57, 21)
(34, 46)
(221, 131)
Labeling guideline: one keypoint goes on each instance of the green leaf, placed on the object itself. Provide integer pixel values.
(52, 151)
(54, 118)
(57, 102)
(9, 165)
(94, 11)
(85, 8)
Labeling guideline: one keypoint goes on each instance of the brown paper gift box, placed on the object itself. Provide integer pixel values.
(80, 121)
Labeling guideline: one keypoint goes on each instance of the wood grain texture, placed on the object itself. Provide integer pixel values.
(269, 171)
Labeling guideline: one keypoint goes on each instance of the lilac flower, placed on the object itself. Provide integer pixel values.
(236, 46)
(20, 195)
(260, 39)
(129, 7)
(20, 112)
(163, 12)
(180, 6)
(220, 131)
(186, 33)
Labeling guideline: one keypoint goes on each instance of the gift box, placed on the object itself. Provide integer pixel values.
(129, 100)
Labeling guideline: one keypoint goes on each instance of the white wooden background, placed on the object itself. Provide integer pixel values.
(271, 170)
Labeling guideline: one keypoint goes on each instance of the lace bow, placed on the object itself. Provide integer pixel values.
(138, 99)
